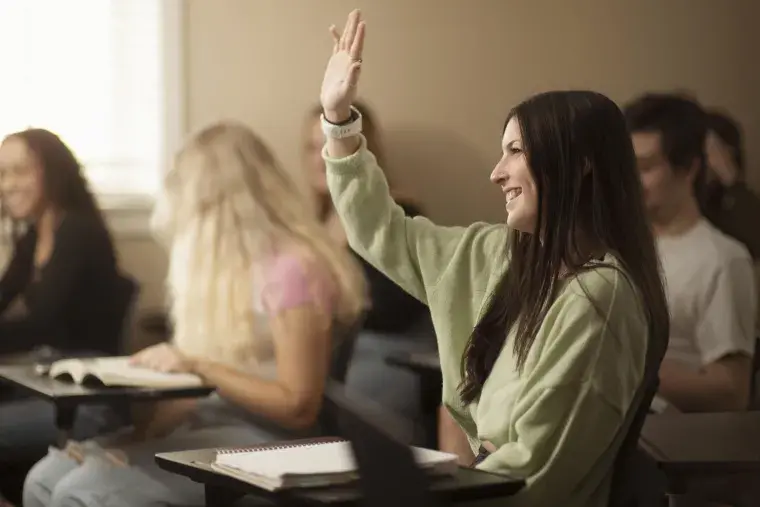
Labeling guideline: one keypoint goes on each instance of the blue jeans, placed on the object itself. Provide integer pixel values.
(395, 389)
(59, 481)
(27, 427)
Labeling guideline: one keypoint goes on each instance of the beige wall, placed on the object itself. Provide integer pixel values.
(442, 75)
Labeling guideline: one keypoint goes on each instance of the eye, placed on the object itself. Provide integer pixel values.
(514, 150)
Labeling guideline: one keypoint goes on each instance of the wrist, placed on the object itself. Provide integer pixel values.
(338, 116)
(193, 365)
(350, 127)
(200, 367)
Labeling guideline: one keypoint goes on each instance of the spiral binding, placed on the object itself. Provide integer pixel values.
(276, 447)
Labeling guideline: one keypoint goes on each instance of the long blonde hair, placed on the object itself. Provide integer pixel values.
(226, 205)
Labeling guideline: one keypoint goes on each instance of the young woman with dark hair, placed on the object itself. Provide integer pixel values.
(63, 272)
(61, 287)
(728, 202)
(544, 325)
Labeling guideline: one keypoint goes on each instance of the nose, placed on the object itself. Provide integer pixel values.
(499, 174)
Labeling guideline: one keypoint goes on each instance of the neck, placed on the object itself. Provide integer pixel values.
(686, 218)
(588, 248)
(47, 222)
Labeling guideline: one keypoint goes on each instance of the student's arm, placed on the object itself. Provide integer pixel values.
(725, 338)
(294, 398)
(78, 242)
(18, 272)
(451, 438)
(297, 302)
(413, 252)
(578, 392)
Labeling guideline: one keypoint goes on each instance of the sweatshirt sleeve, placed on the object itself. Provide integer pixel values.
(413, 252)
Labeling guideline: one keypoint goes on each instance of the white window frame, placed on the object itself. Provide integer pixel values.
(129, 212)
(129, 215)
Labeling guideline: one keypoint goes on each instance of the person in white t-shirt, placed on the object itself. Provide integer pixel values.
(708, 276)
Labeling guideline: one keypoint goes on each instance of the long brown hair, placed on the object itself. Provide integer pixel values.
(582, 159)
(64, 183)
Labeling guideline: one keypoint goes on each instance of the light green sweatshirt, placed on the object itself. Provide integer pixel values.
(561, 421)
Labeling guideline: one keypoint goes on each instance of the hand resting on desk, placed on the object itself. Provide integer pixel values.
(163, 357)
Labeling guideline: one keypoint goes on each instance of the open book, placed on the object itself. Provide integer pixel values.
(305, 464)
(117, 372)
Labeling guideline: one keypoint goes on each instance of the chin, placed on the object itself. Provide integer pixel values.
(19, 214)
(518, 224)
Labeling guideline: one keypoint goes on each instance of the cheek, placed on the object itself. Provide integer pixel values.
(649, 181)
(35, 189)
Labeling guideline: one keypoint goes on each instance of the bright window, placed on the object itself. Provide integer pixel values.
(103, 75)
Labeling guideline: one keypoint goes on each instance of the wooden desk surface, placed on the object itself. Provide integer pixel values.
(65, 393)
(467, 485)
(705, 443)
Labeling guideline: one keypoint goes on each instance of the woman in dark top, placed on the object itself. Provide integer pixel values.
(61, 288)
(729, 204)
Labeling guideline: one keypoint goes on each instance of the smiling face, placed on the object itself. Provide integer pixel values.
(515, 178)
(21, 180)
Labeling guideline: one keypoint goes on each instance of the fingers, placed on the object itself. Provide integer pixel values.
(349, 34)
(357, 47)
(117, 457)
(336, 38)
(75, 451)
(353, 73)
(346, 29)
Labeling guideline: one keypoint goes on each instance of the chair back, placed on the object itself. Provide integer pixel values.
(340, 362)
(754, 379)
(637, 481)
(343, 353)
(125, 301)
(388, 473)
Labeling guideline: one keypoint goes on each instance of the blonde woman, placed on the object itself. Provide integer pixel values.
(259, 298)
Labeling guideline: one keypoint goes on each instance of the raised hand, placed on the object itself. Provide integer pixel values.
(343, 69)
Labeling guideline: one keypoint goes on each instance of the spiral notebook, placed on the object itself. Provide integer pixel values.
(310, 463)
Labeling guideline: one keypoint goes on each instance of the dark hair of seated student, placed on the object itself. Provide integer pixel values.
(730, 205)
(393, 310)
(60, 288)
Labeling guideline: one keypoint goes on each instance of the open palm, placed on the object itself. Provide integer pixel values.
(343, 69)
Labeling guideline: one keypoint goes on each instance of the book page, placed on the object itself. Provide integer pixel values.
(117, 371)
(76, 368)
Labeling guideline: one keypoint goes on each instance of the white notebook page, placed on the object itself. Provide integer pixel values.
(327, 458)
